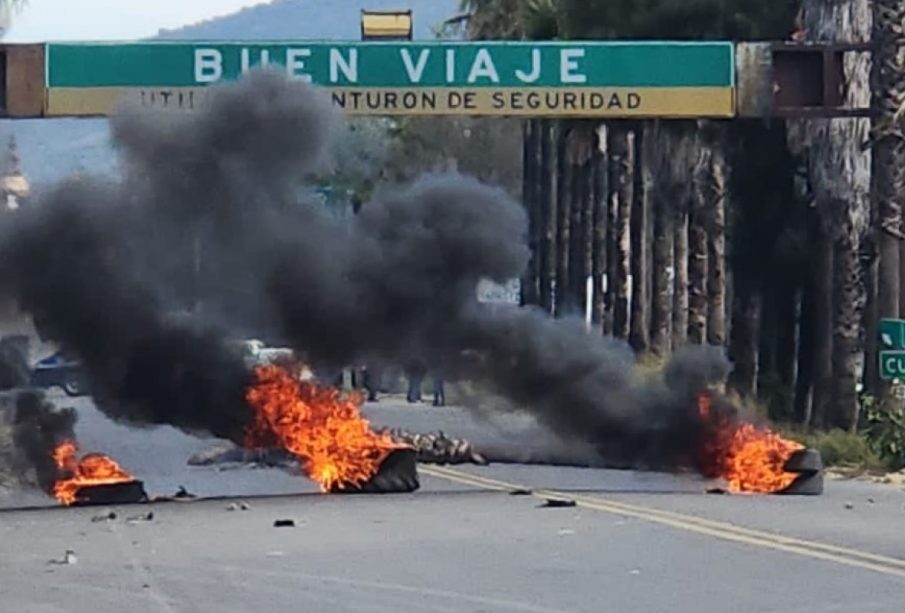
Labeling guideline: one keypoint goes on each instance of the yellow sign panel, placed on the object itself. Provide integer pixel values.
(479, 101)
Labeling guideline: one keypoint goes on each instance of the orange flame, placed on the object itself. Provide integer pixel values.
(92, 469)
(750, 458)
(317, 424)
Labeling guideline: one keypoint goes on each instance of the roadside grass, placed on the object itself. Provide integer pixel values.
(844, 451)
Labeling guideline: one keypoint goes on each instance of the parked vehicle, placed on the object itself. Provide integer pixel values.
(60, 370)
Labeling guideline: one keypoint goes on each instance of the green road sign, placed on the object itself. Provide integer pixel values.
(892, 364)
(472, 78)
(892, 333)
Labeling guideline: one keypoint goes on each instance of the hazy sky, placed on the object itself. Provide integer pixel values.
(49, 20)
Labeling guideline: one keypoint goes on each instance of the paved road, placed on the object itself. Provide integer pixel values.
(635, 542)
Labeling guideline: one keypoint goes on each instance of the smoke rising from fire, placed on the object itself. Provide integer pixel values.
(37, 428)
(209, 211)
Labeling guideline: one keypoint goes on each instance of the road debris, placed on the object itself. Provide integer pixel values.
(108, 516)
(849, 505)
(397, 474)
(68, 558)
(558, 503)
(520, 492)
(149, 516)
(284, 523)
(183, 493)
(237, 506)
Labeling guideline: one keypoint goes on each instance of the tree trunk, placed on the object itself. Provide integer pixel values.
(641, 194)
(580, 148)
(805, 370)
(840, 176)
(563, 304)
(588, 219)
(871, 378)
(823, 329)
(902, 274)
(612, 251)
(786, 350)
(848, 300)
(601, 200)
(621, 187)
(888, 185)
(531, 200)
(743, 345)
(680, 276)
(659, 153)
(697, 251)
(716, 248)
(548, 213)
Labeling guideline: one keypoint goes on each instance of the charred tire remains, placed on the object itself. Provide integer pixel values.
(809, 466)
(398, 474)
(128, 492)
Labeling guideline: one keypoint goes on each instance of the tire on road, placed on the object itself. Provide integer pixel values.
(397, 474)
(805, 485)
(805, 461)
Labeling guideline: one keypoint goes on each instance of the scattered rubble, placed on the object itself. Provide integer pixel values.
(68, 558)
(108, 516)
(149, 516)
(438, 448)
(183, 493)
(558, 503)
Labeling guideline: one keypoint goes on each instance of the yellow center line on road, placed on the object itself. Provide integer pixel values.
(722, 530)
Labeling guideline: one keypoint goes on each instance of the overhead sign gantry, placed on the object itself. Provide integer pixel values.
(480, 78)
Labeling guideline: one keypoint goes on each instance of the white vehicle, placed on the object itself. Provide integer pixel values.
(256, 353)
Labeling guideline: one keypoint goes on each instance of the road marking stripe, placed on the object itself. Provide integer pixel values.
(823, 551)
(700, 520)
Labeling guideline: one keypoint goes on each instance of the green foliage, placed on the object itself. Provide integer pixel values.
(679, 19)
(885, 430)
(840, 449)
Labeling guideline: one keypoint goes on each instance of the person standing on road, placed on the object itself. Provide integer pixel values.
(439, 394)
(415, 375)
(370, 380)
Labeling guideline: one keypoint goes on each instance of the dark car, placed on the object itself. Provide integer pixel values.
(59, 370)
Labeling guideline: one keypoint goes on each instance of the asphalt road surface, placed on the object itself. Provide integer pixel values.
(634, 542)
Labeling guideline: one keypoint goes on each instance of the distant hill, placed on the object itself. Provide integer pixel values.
(324, 19)
(54, 148)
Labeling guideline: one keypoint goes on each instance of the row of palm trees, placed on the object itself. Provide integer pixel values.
(780, 240)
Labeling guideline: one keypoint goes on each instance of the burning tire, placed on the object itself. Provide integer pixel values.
(809, 466)
(127, 492)
(805, 485)
(804, 461)
(398, 474)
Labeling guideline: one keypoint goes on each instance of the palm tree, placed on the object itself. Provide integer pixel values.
(888, 161)
(839, 170)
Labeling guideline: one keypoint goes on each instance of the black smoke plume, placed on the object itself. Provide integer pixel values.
(208, 234)
(38, 427)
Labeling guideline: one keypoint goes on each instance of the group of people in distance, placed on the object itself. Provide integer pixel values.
(414, 374)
